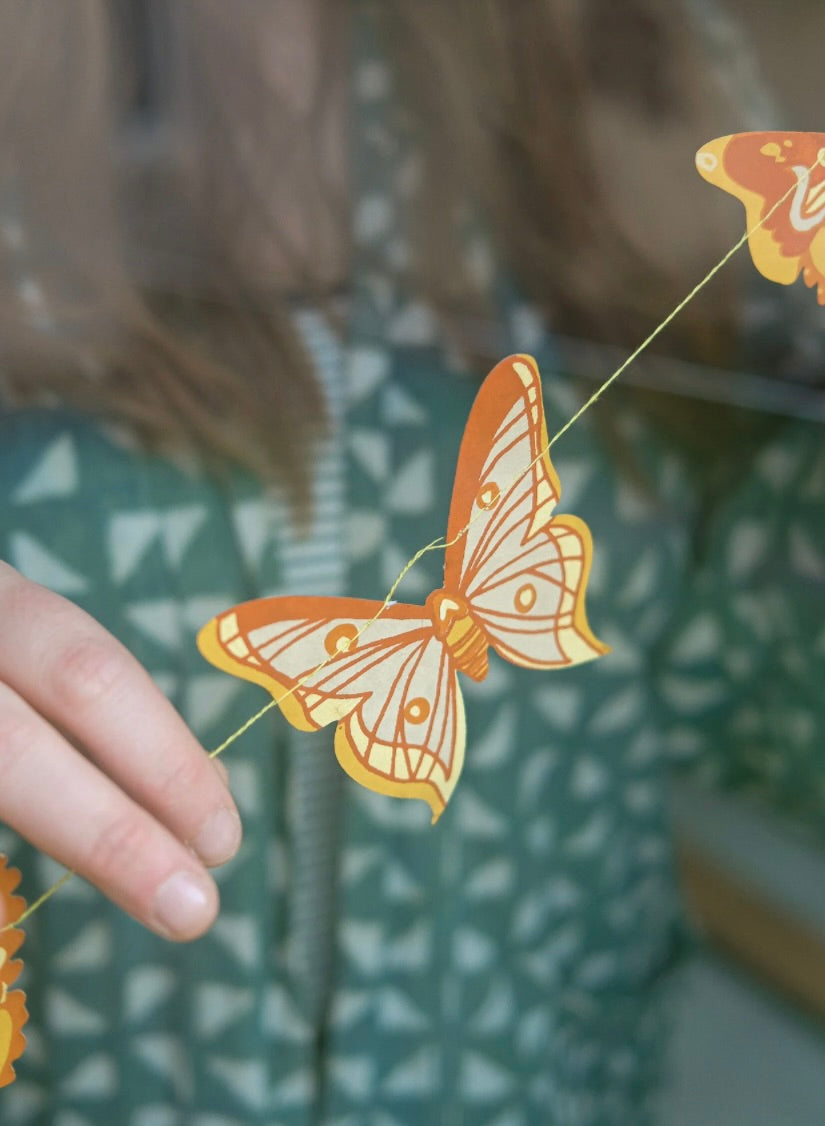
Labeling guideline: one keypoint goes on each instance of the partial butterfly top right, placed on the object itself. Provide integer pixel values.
(761, 168)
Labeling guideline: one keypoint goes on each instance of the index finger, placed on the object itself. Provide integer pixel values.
(74, 673)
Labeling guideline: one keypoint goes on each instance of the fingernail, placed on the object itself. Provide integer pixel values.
(183, 905)
(219, 839)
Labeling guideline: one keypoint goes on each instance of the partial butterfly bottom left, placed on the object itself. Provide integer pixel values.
(13, 1014)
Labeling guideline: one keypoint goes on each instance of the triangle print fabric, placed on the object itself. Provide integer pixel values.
(515, 577)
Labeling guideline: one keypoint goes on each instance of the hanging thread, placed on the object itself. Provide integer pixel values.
(440, 544)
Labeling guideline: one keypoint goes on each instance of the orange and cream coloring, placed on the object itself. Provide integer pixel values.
(759, 169)
(13, 1013)
(514, 581)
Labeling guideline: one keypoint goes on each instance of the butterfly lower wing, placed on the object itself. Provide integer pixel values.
(522, 571)
(13, 1015)
(408, 739)
(759, 169)
(532, 605)
(392, 690)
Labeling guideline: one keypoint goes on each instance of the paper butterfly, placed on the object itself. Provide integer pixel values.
(515, 581)
(759, 168)
(13, 1013)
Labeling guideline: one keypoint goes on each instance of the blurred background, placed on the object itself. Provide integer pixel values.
(749, 1008)
(749, 1014)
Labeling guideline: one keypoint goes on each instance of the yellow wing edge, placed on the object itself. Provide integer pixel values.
(346, 751)
(581, 624)
(282, 691)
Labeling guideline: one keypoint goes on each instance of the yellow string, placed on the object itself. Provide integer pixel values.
(243, 728)
(440, 544)
(30, 910)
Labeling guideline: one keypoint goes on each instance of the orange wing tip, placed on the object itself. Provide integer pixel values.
(13, 1013)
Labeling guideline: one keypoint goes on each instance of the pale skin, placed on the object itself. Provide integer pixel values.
(98, 769)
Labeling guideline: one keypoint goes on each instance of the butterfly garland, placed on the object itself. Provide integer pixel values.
(515, 578)
(787, 236)
(13, 1015)
(515, 575)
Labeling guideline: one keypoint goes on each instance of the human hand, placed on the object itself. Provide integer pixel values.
(98, 770)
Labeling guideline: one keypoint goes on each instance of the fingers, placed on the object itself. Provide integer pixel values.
(67, 807)
(73, 673)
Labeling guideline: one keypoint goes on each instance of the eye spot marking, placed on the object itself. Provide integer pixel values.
(706, 161)
(340, 639)
(417, 710)
(525, 598)
(488, 495)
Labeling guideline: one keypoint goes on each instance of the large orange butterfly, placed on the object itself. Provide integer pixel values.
(13, 1013)
(759, 169)
(514, 579)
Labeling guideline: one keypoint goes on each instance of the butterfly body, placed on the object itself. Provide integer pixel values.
(386, 673)
(464, 639)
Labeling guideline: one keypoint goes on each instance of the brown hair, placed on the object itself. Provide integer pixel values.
(199, 357)
(190, 346)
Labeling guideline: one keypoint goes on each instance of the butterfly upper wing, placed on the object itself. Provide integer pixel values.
(393, 691)
(759, 168)
(13, 1015)
(522, 571)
